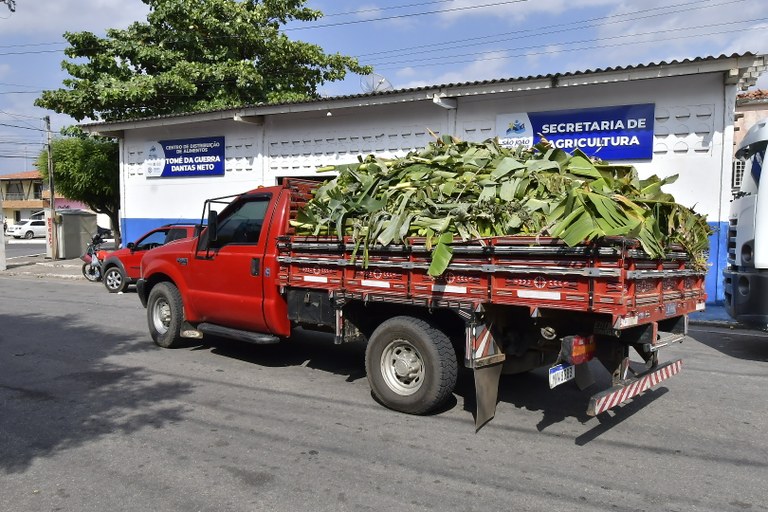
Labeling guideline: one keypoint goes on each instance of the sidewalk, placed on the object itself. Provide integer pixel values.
(42, 267)
(715, 315)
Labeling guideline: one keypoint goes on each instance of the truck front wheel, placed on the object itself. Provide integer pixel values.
(411, 365)
(164, 315)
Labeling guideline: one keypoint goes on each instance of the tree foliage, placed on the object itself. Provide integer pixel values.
(472, 190)
(192, 56)
(86, 169)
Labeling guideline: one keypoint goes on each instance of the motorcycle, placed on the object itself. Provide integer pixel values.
(94, 258)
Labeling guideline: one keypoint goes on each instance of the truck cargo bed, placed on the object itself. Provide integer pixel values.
(613, 277)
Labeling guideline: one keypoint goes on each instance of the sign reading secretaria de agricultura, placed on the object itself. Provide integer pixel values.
(185, 157)
(623, 132)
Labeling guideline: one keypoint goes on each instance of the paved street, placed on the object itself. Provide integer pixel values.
(21, 248)
(95, 417)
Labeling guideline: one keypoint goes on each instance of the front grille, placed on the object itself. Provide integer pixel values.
(732, 229)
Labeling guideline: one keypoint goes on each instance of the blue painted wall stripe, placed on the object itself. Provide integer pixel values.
(718, 258)
(132, 229)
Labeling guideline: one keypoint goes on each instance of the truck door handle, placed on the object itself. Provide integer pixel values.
(255, 266)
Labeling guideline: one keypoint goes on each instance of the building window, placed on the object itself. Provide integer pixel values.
(38, 190)
(738, 174)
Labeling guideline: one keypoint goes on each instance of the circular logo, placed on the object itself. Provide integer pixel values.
(155, 161)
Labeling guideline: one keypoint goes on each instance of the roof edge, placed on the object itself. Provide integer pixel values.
(741, 70)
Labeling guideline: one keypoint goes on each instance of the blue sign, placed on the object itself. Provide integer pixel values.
(185, 158)
(623, 132)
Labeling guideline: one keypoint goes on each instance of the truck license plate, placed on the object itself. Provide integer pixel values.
(561, 373)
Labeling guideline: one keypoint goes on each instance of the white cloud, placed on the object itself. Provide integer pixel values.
(519, 10)
(44, 19)
(488, 66)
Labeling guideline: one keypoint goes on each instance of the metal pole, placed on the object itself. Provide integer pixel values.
(3, 263)
(52, 202)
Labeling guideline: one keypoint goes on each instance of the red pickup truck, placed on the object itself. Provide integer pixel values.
(122, 267)
(504, 305)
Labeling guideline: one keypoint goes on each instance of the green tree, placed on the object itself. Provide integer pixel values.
(86, 169)
(192, 56)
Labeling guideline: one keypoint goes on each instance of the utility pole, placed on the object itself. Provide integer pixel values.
(52, 202)
(3, 263)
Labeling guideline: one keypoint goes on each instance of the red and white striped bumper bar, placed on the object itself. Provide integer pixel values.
(616, 395)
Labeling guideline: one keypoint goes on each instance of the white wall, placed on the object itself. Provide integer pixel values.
(693, 137)
(688, 128)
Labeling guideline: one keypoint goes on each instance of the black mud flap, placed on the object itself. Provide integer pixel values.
(486, 393)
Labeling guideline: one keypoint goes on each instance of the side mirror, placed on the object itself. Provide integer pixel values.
(131, 245)
(213, 219)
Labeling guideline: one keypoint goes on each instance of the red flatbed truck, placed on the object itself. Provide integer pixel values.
(504, 305)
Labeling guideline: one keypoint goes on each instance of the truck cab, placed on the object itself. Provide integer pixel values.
(226, 275)
(746, 276)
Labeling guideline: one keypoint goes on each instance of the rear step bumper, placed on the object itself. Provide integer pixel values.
(632, 387)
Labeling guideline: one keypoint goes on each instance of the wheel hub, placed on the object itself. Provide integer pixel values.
(402, 367)
(406, 365)
(162, 316)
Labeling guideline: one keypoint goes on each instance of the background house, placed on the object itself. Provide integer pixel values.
(25, 196)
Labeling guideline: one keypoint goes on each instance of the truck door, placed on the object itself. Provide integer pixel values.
(226, 276)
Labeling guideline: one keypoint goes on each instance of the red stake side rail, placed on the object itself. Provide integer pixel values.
(613, 277)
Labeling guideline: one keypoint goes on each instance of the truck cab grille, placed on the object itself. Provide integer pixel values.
(732, 230)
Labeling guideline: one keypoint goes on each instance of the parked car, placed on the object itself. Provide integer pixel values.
(28, 229)
(123, 266)
(104, 233)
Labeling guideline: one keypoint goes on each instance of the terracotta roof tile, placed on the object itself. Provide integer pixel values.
(28, 175)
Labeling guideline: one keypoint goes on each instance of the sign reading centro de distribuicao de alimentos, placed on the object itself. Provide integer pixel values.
(623, 132)
(185, 157)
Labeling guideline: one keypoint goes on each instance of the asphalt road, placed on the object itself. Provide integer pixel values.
(94, 417)
(18, 248)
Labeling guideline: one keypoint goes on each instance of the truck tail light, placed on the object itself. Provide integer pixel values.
(578, 349)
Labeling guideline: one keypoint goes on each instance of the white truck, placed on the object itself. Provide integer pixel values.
(746, 276)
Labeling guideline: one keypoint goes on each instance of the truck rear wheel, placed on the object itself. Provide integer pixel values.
(411, 365)
(164, 315)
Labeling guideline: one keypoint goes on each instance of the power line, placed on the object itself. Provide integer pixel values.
(401, 16)
(18, 116)
(22, 127)
(24, 45)
(379, 9)
(554, 29)
(549, 29)
(555, 51)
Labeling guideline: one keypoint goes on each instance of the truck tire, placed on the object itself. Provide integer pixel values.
(165, 313)
(411, 365)
(114, 280)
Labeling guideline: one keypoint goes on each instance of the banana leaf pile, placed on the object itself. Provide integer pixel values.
(455, 190)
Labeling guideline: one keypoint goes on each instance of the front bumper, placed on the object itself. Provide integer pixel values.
(141, 290)
(746, 296)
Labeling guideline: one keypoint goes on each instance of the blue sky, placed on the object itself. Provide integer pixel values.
(410, 43)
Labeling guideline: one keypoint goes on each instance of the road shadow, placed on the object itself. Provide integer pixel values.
(58, 391)
(314, 350)
(750, 345)
(530, 391)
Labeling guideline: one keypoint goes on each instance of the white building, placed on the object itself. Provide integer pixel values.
(667, 118)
